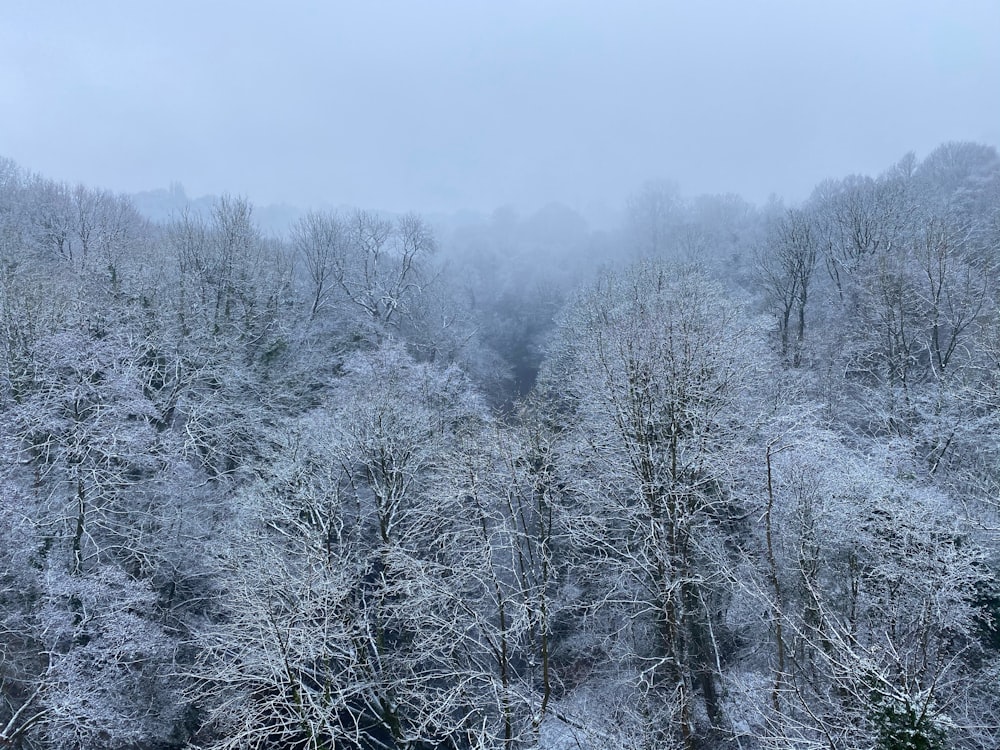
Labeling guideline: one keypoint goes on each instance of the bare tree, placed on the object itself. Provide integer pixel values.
(785, 268)
(326, 571)
(653, 216)
(320, 238)
(656, 362)
(381, 270)
(858, 218)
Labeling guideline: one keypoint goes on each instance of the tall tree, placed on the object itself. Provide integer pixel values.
(657, 364)
(785, 268)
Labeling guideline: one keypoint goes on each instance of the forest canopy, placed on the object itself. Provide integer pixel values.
(721, 476)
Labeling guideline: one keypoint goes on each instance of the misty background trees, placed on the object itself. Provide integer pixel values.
(718, 476)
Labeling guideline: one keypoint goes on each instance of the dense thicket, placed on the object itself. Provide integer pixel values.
(373, 486)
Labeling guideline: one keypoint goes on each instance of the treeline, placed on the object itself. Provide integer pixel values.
(724, 478)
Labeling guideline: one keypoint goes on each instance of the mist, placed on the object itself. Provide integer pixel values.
(480, 376)
(439, 106)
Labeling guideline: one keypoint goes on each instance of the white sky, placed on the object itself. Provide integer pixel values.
(447, 104)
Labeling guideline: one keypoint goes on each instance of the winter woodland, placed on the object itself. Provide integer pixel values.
(723, 476)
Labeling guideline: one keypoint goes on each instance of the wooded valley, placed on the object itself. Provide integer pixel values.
(723, 476)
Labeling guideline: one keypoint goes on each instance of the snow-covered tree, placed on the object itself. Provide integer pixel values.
(658, 369)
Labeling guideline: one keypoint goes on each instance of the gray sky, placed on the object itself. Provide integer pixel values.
(436, 105)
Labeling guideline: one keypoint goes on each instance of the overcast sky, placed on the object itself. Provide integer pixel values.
(437, 105)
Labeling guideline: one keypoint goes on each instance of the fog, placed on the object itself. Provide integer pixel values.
(634, 385)
(441, 106)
